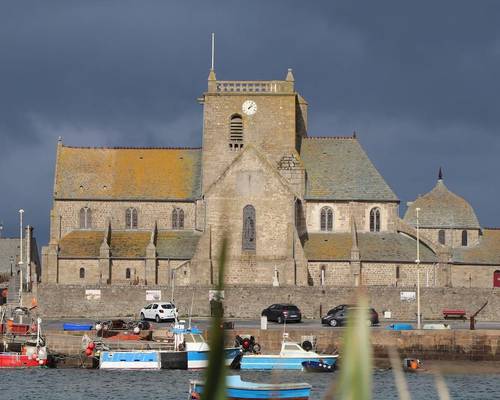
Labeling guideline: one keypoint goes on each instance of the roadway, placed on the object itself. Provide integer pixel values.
(204, 323)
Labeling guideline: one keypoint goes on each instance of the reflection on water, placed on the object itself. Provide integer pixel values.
(76, 384)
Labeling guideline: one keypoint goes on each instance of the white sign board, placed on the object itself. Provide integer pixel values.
(408, 296)
(93, 294)
(153, 295)
(216, 295)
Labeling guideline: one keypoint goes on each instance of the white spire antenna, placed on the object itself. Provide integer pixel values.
(213, 50)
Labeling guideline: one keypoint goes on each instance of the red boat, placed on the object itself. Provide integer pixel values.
(23, 351)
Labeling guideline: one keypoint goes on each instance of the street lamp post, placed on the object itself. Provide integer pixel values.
(21, 211)
(417, 261)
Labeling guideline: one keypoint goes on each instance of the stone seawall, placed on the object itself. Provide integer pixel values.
(480, 345)
(65, 301)
(446, 345)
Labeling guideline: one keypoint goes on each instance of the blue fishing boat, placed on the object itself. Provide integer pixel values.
(189, 350)
(236, 389)
(140, 359)
(291, 356)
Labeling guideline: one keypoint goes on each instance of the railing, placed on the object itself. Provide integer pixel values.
(254, 86)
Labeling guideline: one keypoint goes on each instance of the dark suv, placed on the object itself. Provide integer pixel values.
(338, 316)
(282, 312)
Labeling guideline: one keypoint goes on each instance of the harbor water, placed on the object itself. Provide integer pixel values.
(76, 384)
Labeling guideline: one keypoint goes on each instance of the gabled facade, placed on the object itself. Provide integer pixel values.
(296, 209)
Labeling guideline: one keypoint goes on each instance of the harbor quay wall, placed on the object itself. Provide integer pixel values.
(449, 345)
(74, 301)
(483, 345)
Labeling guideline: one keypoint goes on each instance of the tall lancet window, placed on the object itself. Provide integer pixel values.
(464, 238)
(85, 218)
(236, 132)
(375, 220)
(131, 218)
(178, 218)
(249, 239)
(326, 219)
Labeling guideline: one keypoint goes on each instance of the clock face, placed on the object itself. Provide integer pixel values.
(249, 107)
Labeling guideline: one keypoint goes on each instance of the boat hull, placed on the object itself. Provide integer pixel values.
(15, 360)
(129, 360)
(261, 362)
(237, 389)
(199, 359)
(160, 359)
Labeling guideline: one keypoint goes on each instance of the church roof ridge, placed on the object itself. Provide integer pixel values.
(330, 137)
(131, 148)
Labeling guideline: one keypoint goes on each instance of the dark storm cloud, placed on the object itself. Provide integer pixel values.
(418, 81)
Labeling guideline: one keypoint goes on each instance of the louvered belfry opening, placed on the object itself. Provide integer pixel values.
(236, 132)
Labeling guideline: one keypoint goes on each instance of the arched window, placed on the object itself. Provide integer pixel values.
(236, 132)
(127, 273)
(326, 219)
(464, 238)
(85, 218)
(375, 220)
(249, 239)
(178, 218)
(82, 273)
(441, 237)
(131, 218)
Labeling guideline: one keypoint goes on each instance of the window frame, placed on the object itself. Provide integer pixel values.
(249, 231)
(375, 219)
(326, 217)
(131, 218)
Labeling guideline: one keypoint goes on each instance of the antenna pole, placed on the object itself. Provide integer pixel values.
(213, 50)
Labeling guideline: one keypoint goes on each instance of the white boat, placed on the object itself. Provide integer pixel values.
(291, 356)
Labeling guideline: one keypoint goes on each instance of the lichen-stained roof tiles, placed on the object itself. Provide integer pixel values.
(375, 247)
(128, 173)
(339, 169)
(441, 208)
(179, 245)
(176, 245)
(81, 244)
(487, 252)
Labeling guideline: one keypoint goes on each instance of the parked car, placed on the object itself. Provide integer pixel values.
(282, 312)
(338, 316)
(159, 311)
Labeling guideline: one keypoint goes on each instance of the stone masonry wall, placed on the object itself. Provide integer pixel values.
(249, 301)
(66, 213)
(342, 212)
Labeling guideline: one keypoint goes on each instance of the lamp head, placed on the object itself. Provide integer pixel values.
(21, 211)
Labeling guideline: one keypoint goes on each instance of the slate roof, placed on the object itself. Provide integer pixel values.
(339, 169)
(127, 173)
(441, 208)
(179, 245)
(375, 247)
(487, 252)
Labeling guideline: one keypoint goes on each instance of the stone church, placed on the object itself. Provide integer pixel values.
(297, 209)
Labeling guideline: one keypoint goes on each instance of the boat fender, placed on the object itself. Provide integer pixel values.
(137, 329)
(256, 348)
(246, 344)
(91, 346)
(307, 345)
(182, 347)
(88, 352)
(98, 327)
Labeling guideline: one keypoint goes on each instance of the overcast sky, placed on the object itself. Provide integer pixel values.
(418, 81)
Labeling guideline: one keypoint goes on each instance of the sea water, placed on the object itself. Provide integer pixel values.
(76, 384)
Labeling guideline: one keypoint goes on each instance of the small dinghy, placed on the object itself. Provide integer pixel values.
(71, 326)
(412, 365)
(317, 366)
(237, 389)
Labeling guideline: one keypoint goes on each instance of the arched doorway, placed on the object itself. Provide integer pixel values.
(496, 278)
